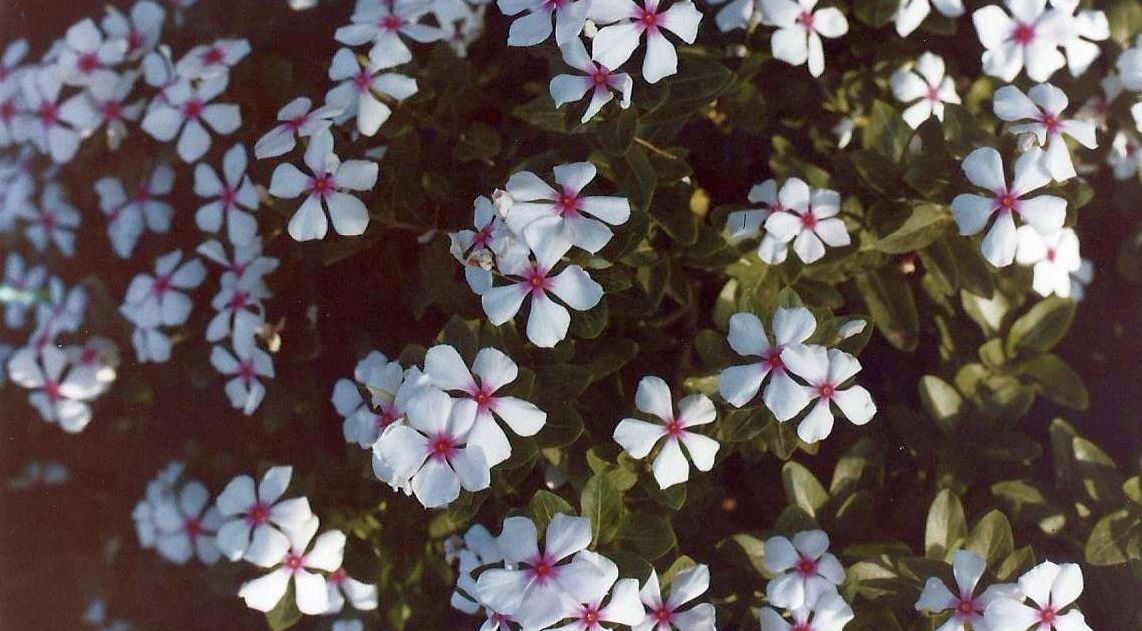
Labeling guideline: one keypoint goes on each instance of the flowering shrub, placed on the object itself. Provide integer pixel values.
(398, 319)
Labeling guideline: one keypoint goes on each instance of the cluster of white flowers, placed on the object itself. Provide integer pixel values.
(251, 522)
(566, 587)
(823, 373)
(1051, 588)
(795, 214)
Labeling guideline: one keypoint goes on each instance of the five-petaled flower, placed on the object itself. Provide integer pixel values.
(1041, 117)
(926, 86)
(602, 82)
(1055, 262)
(188, 111)
(740, 384)
(234, 197)
(825, 371)
(156, 300)
(809, 219)
(60, 393)
(546, 217)
(382, 23)
(613, 45)
(800, 29)
(805, 570)
(186, 526)
(1052, 589)
(244, 365)
(294, 559)
(356, 94)
(747, 224)
(1029, 37)
(298, 118)
(667, 614)
(248, 512)
(967, 607)
(127, 216)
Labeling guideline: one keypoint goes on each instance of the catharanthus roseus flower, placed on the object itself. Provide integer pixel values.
(248, 512)
(912, 13)
(155, 300)
(747, 224)
(433, 453)
(540, 588)
(1054, 259)
(535, 27)
(1129, 66)
(545, 216)
(800, 29)
(809, 219)
(825, 371)
(325, 189)
(342, 587)
(297, 118)
(294, 559)
(639, 437)
(668, 614)
(805, 570)
(187, 111)
(984, 168)
(382, 23)
(829, 613)
(104, 103)
(243, 258)
(61, 311)
(475, 249)
(41, 122)
(59, 392)
(1125, 157)
(127, 216)
(20, 290)
(234, 197)
(360, 88)
(548, 320)
(926, 86)
(245, 365)
(966, 606)
(141, 30)
(387, 388)
(740, 384)
(186, 526)
(1028, 37)
(238, 306)
(476, 549)
(209, 61)
(53, 222)
(491, 371)
(1078, 34)
(1051, 589)
(602, 82)
(622, 601)
(1041, 116)
(613, 45)
(95, 361)
(86, 57)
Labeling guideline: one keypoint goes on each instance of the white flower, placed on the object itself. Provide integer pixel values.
(1029, 37)
(238, 306)
(912, 13)
(141, 31)
(666, 614)
(639, 437)
(298, 118)
(984, 168)
(597, 79)
(151, 345)
(127, 217)
(613, 45)
(388, 393)
(535, 27)
(246, 364)
(433, 452)
(61, 312)
(736, 14)
(342, 587)
(1129, 65)
(493, 370)
(160, 490)
(1051, 588)
(382, 23)
(545, 216)
(235, 195)
(623, 606)
(808, 219)
(800, 29)
(187, 111)
(186, 527)
(1097, 106)
(356, 94)
(479, 548)
(926, 86)
(245, 258)
(20, 289)
(249, 513)
(1080, 278)
(104, 103)
(548, 321)
(1045, 108)
(825, 370)
(295, 559)
(159, 73)
(740, 384)
(968, 567)
(475, 248)
(805, 569)
(59, 393)
(14, 53)
(829, 613)
(213, 60)
(42, 123)
(325, 188)
(1125, 159)
(85, 57)
(54, 221)
(154, 300)
(1054, 257)
(539, 589)
(746, 224)
(1076, 30)
(94, 362)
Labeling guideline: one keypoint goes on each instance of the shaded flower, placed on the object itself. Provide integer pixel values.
(187, 112)
(234, 197)
(535, 27)
(297, 118)
(968, 568)
(805, 570)
(926, 86)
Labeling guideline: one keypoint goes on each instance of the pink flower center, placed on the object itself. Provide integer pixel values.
(192, 109)
(338, 576)
(391, 22)
(1051, 254)
(89, 356)
(965, 608)
(48, 113)
(806, 20)
(238, 300)
(1007, 202)
(806, 566)
(1051, 122)
(48, 219)
(1023, 33)
(772, 358)
(600, 76)
(293, 561)
(51, 388)
(663, 614)
(649, 18)
(143, 195)
(321, 185)
(257, 514)
(809, 220)
(246, 371)
(826, 390)
(802, 626)
(134, 40)
(483, 398)
(295, 123)
(933, 93)
(536, 280)
(484, 236)
(590, 615)
(7, 110)
(193, 527)
(442, 447)
(213, 55)
(88, 63)
(1131, 148)
(162, 284)
(1047, 615)
(568, 204)
(227, 197)
(388, 416)
(674, 428)
(542, 568)
(363, 80)
(499, 618)
(551, 5)
(112, 110)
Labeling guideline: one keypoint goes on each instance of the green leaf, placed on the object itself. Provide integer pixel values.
(545, 505)
(617, 133)
(603, 504)
(926, 224)
(1098, 472)
(647, 534)
(992, 538)
(886, 131)
(946, 526)
(876, 12)
(701, 78)
(1056, 380)
(1115, 539)
(1041, 328)
(478, 142)
(802, 488)
(893, 308)
(541, 112)
(942, 402)
(285, 614)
